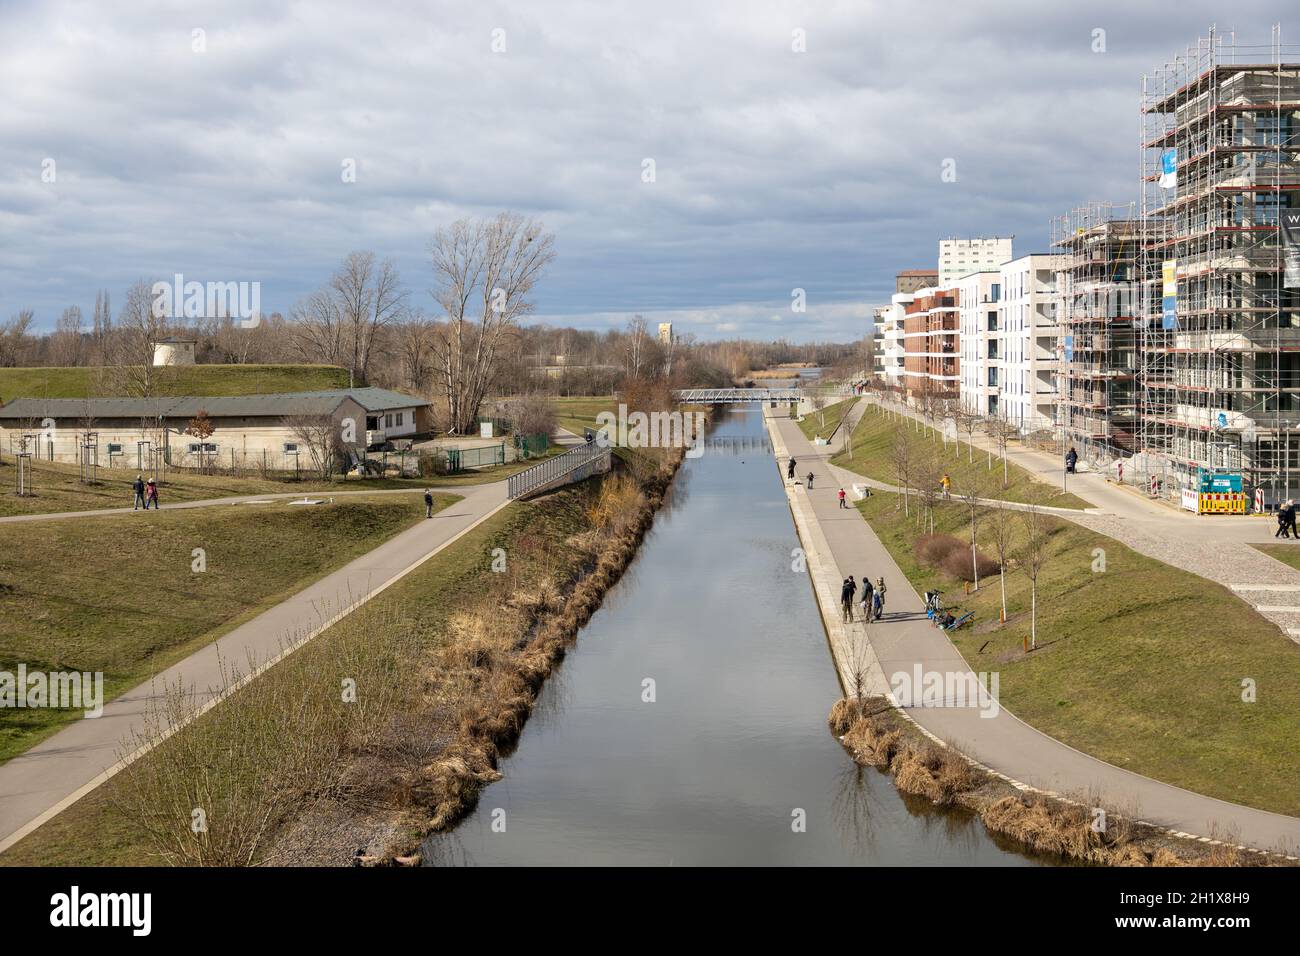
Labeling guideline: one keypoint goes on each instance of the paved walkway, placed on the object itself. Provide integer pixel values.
(52, 775)
(905, 640)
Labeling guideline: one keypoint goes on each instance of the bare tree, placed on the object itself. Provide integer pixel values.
(968, 421)
(903, 458)
(320, 435)
(14, 338)
(973, 510)
(416, 337)
(140, 326)
(65, 344)
(493, 264)
(1003, 535)
(1033, 557)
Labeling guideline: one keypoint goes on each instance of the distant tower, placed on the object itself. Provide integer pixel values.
(174, 351)
(666, 333)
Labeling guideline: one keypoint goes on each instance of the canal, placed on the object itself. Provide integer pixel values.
(688, 724)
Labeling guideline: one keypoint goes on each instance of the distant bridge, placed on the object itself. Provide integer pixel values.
(717, 396)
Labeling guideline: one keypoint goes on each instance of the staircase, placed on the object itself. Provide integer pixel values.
(574, 465)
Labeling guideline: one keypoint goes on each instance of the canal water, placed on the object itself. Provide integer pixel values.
(733, 750)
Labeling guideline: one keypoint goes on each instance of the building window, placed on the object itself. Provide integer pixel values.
(207, 447)
(291, 448)
(114, 448)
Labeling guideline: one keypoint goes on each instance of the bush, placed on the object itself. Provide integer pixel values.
(933, 549)
(957, 563)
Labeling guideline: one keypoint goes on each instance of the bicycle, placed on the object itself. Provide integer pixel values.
(933, 603)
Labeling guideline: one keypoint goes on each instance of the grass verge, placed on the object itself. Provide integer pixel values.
(880, 441)
(823, 423)
(81, 382)
(119, 595)
(1139, 663)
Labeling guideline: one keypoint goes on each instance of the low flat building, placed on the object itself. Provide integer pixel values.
(245, 429)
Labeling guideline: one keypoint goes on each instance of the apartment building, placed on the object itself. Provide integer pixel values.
(909, 280)
(930, 334)
(892, 345)
(980, 341)
(1027, 324)
(961, 257)
(879, 319)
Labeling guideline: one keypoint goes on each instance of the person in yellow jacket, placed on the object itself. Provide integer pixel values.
(945, 483)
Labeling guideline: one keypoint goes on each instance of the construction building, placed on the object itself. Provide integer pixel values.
(1097, 248)
(1219, 343)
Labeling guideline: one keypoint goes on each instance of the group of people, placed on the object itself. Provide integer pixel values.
(146, 493)
(872, 601)
(789, 471)
(1286, 520)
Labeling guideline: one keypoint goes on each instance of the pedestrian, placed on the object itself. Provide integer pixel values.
(867, 592)
(1290, 518)
(946, 484)
(846, 600)
(879, 597)
(151, 494)
(428, 503)
(810, 481)
(1283, 526)
(877, 604)
(138, 489)
(1071, 459)
(789, 469)
(843, 504)
(1121, 473)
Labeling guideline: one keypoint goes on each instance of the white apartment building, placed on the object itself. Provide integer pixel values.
(978, 295)
(961, 257)
(891, 338)
(1027, 326)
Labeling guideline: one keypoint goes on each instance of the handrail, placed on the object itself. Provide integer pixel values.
(544, 472)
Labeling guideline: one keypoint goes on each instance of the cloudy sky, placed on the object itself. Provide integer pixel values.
(221, 154)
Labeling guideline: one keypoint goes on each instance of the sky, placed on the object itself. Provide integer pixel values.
(793, 145)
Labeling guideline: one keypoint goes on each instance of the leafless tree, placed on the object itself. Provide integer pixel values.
(902, 458)
(319, 434)
(489, 268)
(66, 344)
(342, 324)
(968, 421)
(140, 325)
(636, 358)
(971, 499)
(14, 338)
(416, 337)
(1003, 534)
(1034, 553)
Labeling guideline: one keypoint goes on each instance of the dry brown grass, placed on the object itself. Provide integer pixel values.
(878, 736)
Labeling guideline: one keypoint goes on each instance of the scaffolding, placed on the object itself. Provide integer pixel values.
(1096, 291)
(1219, 335)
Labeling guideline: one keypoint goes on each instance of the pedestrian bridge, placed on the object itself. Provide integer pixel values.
(720, 396)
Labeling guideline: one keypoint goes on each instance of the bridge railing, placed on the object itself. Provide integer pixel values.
(552, 469)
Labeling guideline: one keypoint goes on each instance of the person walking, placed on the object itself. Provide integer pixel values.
(810, 481)
(878, 599)
(1290, 518)
(846, 600)
(428, 503)
(151, 494)
(867, 592)
(789, 469)
(1121, 473)
(1283, 526)
(138, 488)
(946, 484)
(843, 504)
(1071, 459)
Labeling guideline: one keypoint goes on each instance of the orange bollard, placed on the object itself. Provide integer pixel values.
(1026, 643)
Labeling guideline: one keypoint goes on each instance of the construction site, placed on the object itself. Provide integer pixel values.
(1096, 291)
(1218, 344)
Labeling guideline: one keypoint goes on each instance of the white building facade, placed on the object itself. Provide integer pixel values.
(981, 341)
(961, 257)
(891, 338)
(1027, 324)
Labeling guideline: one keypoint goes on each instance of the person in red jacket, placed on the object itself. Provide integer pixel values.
(843, 504)
(150, 494)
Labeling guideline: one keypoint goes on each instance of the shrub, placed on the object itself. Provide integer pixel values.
(957, 563)
(933, 549)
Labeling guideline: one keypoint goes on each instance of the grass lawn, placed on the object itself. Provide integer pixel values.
(873, 456)
(173, 380)
(118, 595)
(577, 413)
(825, 422)
(100, 829)
(1286, 553)
(58, 486)
(1140, 664)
